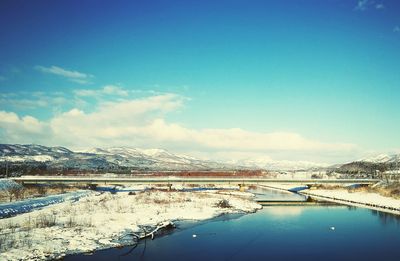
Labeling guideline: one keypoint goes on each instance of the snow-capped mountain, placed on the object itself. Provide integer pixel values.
(269, 164)
(119, 158)
(382, 163)
(126, 159)
(381, 158)
(153, 159)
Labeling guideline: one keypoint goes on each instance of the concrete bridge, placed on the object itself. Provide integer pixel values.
(171, 180)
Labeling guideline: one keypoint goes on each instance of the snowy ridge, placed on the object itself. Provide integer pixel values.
(115, 158)
(381, 158)
(269, 164)
(104, 158)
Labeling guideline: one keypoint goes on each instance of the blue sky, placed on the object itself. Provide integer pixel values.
(298, 80)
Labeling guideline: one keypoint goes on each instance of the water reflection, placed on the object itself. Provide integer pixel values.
(262, 193)
(386, 218)
(285, 211)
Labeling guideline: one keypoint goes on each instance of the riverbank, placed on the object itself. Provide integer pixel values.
(10, 191)
(364, 199)
(373, 198)
(101, 220)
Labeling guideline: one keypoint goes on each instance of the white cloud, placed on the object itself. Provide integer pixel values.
(73, 76)
(106, 90)
(362, 5)
(143, 123)
(28, 100)
(25, 129)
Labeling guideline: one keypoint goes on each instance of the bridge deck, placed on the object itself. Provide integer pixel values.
(182, 180)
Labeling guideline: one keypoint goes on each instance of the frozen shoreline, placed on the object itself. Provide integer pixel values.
(355, 198)
(358, 199)
(98, 220)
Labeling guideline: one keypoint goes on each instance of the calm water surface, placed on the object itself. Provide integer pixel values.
(275, 233)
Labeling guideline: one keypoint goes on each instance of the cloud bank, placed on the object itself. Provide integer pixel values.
(143, 122)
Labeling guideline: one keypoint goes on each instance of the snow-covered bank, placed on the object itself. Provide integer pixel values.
(98, 220)
(359, 199)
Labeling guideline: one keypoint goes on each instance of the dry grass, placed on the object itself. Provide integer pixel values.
(45, 220)
(392, 190)
(20, 193)
(328, 186)
(17, 235)
(161, 201)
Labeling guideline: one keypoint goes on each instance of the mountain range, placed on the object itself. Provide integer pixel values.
(37, 158)
(100, 159)
(381, 163)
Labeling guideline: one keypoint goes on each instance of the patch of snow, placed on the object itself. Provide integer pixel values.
(358, 198)
(38, 158)
(99, 220)
(381, 158)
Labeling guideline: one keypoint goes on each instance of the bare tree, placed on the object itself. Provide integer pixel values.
(14, 191)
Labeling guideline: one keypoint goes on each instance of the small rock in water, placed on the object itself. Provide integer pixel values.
(194, 235)
(332, 228)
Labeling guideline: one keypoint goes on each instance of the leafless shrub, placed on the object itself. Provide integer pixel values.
(160, 201)
(3, 241)
(88, 207)
(395, 192)
(87, 222)
(103, 205)
(15, 192)
(9, 226)
(119, 208)
(27, 223)
(41, 190)
(45, 220)
(328, 186)
(71, 222)
(223, 204)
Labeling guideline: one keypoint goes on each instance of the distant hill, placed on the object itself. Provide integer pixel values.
(38, 159)
(381, 162)
(29, 159)
(282, 165)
